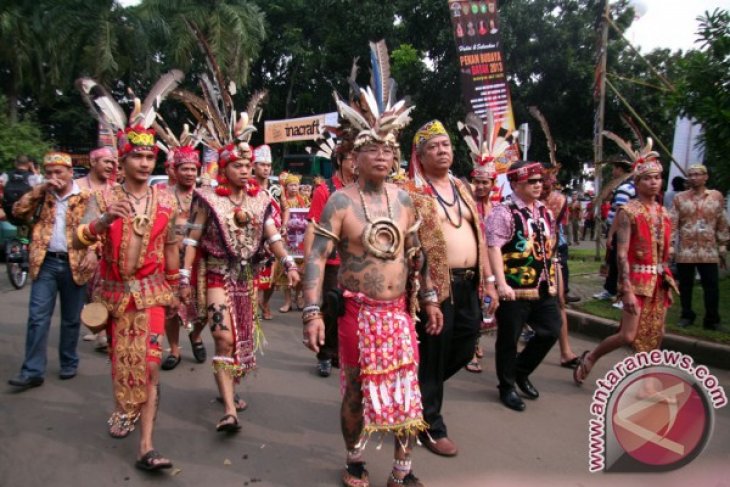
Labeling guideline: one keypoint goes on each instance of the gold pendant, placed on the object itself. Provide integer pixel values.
(382, 238)
(140, 224)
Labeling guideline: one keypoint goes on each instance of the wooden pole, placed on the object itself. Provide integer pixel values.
(598, 138)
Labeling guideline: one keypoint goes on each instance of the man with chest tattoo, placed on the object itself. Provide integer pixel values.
(374, 227)
(454, 245)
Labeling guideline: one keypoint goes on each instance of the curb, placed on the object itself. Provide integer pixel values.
(703, 352)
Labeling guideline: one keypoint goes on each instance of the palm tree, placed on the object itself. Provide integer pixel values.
(19, 56)
(234, 30)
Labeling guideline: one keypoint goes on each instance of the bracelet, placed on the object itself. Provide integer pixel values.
(172, 276)
(81, 235)
(287, 262)
(274, 238)
(429, 296)
(317, 315)
(189, 241)
(310, 308)
(491, 279)
(185, 273)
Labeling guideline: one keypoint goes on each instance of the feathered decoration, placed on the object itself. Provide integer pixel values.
(101, 104)
(552, 148)
(153, 100)
(486, 142)
(372, 114)
(644, 161)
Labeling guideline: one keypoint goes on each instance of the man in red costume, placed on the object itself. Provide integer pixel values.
(139, 278)
(643, 237)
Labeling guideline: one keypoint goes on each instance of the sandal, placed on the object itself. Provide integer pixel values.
(266, 312)
(170, 362)
(409, 480)
(152, 460)
(241, 405)
(474, 367)
(199, 351)
(284, 309)
(580, 373)
(570, 364)
(479, 352)
(120, 425)
(228, 426)
(355, 475)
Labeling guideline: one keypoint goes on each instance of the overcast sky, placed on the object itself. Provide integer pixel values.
(670, 23)
(666, 23)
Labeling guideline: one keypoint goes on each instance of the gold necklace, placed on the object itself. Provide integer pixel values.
(381, 237)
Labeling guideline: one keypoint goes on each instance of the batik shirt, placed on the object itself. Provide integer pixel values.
(699, 227)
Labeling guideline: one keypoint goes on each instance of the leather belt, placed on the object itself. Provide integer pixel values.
(647, 269)
(463, 274)
(58, 255)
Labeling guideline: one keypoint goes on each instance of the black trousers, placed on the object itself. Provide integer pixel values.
(543, 316)
(329, 350)
(445, 354)
(709, 277)
(563, 255)
(611, 284)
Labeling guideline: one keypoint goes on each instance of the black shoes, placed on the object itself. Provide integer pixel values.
(685, 322)
(67, 375)
(510, 399)
(572, 299)
(324, 367)
(25, 382)
(527, 388)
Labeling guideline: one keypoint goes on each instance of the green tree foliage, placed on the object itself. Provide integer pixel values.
(16, 138)
(703, 91)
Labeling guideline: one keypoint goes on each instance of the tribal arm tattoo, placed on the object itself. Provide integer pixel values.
(623, 236)
(322, 246)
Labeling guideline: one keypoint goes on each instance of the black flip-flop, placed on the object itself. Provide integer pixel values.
(147, 462)
(570, 364)
(170, 362)
(228, 427)
(199, 351)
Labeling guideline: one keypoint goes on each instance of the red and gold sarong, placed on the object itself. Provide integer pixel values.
(134, 341)
(653, 310)
(379, 338)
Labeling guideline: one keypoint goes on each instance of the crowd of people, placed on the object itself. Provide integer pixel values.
(396, 275)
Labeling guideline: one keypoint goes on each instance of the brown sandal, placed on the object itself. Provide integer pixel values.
(355, 475)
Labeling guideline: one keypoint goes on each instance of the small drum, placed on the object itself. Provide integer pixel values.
(94, 316)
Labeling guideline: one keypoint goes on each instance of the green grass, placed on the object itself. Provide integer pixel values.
(585, 273)
(585, 254)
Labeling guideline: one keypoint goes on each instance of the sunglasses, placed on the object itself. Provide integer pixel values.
(533, 182)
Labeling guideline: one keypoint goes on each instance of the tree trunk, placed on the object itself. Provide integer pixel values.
(12, 106)
(289, 97)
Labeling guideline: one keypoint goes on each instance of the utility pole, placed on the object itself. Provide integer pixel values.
(598, 139)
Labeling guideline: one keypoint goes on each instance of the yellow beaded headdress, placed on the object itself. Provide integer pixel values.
(57, 159)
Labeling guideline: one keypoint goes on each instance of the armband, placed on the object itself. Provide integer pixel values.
(274, 238)
(320, 230)
(490, 279)
(190, 241)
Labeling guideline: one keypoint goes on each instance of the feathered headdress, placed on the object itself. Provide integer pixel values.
(179, 149)
(644, 161)
(487, 144)
(226, 130)
(372, 114)
(136, 133)
(554, 167)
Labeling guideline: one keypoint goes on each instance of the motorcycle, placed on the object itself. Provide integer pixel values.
(16, 261)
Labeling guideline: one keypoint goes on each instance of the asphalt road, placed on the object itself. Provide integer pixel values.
(56, 435)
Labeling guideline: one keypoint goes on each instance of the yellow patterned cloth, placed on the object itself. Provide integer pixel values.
(57, 159)
(43, 228)
(428, 132)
